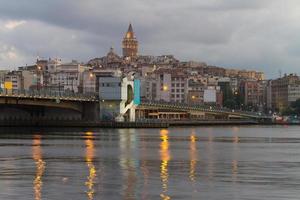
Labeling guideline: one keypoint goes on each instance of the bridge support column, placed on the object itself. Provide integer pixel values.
(132, 114)
(90, 111)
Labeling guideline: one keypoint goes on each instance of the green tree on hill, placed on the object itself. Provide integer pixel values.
(293, 109)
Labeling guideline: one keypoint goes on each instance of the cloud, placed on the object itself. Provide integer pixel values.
(256, 34)
(9, 56)
(14, 24)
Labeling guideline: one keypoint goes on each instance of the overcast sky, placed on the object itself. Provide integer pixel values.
(248, 34)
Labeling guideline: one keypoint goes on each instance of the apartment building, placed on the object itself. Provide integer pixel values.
(285, 90)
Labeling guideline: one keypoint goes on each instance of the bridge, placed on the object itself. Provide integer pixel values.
(173, 111)
(47, 105)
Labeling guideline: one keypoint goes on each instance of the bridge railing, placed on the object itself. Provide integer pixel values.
(202, 107)
(51, 94)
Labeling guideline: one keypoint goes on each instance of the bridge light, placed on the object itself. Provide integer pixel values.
(91, 75)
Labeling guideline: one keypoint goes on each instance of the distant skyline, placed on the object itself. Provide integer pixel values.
(254, 35)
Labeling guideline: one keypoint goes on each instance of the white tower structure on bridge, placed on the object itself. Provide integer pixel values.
(116, 96)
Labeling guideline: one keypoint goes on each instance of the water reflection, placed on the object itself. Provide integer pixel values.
(144, 167)
(224, 163)
(164, 157)
(234, 162)
(89, 158)
(193, 157)
(234, 170)
(129, 162)
(235, 139)
(210, 155)
(40, 166)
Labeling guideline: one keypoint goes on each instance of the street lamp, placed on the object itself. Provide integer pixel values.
(92, 83)
(165, 88)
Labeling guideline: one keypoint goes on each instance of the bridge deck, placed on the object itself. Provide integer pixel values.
(207, 109)
(74, 97)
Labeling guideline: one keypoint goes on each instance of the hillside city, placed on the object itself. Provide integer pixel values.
(163, 79)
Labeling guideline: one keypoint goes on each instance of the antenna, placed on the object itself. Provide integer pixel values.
(37, 56)
(280, 73)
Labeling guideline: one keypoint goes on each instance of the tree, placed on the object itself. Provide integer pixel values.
(229, 103)
(288, 111)
(293, 109)
(228, 100)
(295, 106)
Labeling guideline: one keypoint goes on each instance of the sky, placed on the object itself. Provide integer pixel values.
(258, 35)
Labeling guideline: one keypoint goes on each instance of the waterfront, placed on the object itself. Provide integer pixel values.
(247, 162)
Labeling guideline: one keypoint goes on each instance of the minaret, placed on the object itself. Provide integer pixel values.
(130, 43)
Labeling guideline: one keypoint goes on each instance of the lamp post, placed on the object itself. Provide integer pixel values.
(59, 84)
(193, 99)
(72, 85)
(91, 76)
(164, 89)
(39, 75)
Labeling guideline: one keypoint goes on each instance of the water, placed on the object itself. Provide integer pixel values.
(179, 163)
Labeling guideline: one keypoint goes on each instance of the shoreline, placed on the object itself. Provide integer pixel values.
(118, 125)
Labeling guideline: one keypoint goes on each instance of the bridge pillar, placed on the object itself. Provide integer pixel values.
(132, 114)
(90, 111)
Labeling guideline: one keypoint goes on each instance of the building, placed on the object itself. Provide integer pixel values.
(2, 78)
(285, 90)
(148, 89)
(213, 96)
(90, 79)
(171, 85)
(268, 95)
(251, 75)
(67, 77)
(130, 44)
(52, 65)
(112, 60)
(15, 79)
(30, 80)
(195, 94)
(214, 71)
(116, 95)
(253, 92)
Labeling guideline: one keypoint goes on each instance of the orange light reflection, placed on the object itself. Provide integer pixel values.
(193, 157)
(89, 158)
(40, 167)
(165, 157)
